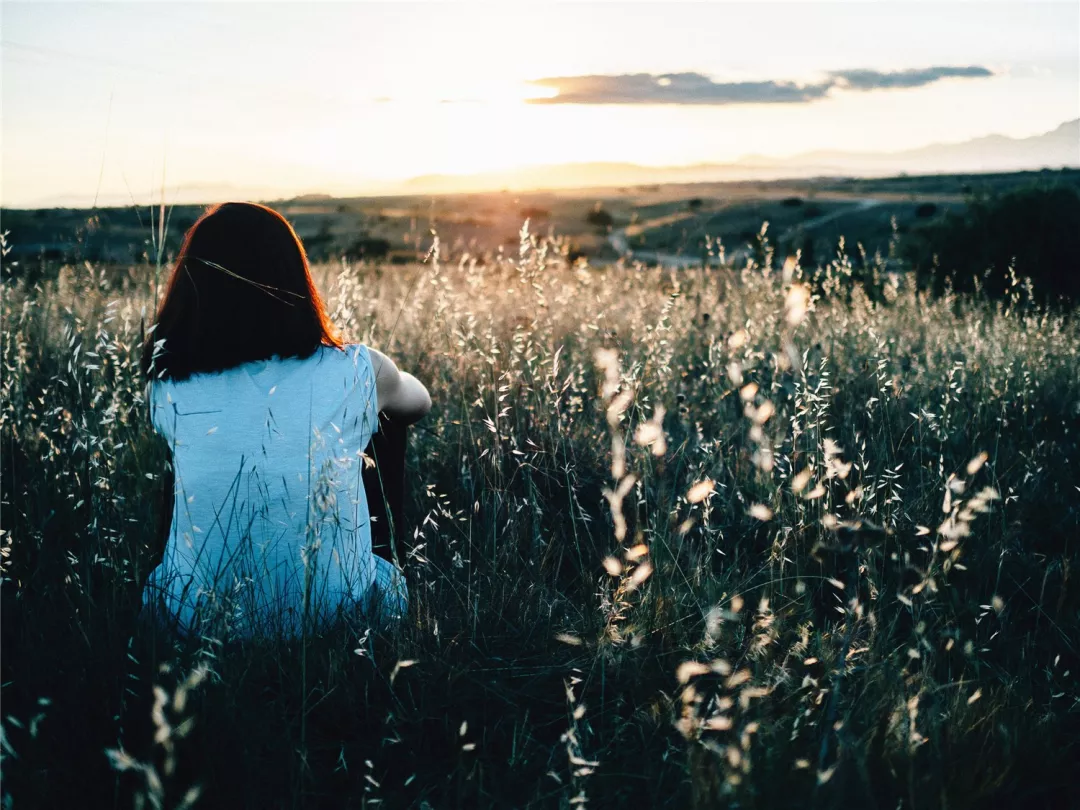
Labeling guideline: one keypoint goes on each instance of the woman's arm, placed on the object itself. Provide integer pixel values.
(386, 486)
(401, 396)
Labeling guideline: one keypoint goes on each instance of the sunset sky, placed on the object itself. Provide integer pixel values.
(99, 99)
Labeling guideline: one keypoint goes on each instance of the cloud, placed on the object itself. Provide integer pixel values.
(672, 88)
(696, 88)
(917, 77)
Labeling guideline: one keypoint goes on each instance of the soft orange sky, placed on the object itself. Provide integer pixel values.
(99, 98)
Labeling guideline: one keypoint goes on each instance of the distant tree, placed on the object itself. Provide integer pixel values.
(368, 247)
(575, 253)
(183, 222)
(1035, 229)
(694, 204)
(600, 219)
(925, 210)
(318, 245)
(791, 202)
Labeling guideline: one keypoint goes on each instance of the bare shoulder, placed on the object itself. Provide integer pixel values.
(385, 369)
(400, 394)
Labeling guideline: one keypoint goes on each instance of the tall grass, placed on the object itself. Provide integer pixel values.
(726, 537)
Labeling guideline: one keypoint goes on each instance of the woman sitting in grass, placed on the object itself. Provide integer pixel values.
(267, 415)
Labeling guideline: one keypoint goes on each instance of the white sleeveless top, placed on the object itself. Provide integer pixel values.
(270, 522)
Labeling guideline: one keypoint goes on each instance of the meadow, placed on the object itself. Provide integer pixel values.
(760, 535)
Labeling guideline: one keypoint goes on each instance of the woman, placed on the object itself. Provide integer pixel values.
(267, 415)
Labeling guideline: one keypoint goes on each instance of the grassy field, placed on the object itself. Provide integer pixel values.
(704, 538)
(675, 219)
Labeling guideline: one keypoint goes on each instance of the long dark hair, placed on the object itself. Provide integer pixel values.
(240, 290)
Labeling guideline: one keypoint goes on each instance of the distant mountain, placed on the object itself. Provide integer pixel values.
(992, 153)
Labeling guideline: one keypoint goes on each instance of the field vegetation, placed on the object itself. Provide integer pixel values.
(681, 220)
(756, 535)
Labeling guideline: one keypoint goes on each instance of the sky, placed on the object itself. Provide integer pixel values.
(120, 101)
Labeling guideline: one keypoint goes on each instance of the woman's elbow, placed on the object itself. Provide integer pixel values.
(423, 403)
(417, 402)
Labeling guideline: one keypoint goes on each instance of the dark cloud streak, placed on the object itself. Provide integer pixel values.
(696, 88)
(875, 80)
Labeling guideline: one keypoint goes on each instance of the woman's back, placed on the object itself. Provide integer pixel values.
(270, 521)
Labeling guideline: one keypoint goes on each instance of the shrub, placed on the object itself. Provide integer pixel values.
(599, 218)
(1031, 232)
(368, 247)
